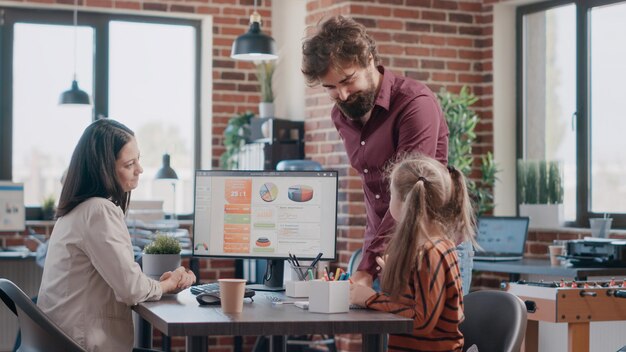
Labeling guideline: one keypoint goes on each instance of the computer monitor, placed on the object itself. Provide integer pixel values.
(265, 215)
(12, 213)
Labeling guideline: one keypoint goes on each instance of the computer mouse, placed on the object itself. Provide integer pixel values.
(206, 298)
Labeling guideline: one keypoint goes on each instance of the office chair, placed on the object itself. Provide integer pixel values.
(495, 321)
(39, 333)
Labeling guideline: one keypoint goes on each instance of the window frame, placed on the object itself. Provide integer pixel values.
(583, 74)
(99, 21)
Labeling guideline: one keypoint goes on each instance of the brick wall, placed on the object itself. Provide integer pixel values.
(443, 43)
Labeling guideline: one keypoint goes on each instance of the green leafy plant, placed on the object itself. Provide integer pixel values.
(163, 244)
(531, 190)
(235, 136)
(539, 182)
(462, 121)
(264, 72)
(555, 180)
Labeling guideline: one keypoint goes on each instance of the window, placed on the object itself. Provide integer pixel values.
(569, 70)
(141, 71)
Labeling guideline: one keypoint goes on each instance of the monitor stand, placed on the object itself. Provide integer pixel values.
(275, 270)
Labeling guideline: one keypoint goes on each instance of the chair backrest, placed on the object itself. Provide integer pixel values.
(355, 260)
(39, 333)
(495, 321)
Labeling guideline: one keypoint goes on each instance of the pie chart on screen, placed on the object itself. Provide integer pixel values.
(268, 192)
(300, 193)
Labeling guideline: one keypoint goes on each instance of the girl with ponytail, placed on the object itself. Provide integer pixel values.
(421, 278)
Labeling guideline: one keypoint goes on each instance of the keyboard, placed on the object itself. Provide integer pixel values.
(214, 287)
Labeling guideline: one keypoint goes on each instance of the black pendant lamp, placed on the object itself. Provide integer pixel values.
(254, 45)
(75, 95)
(166, 172)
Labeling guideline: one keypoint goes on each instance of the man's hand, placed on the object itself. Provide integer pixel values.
(362, 278)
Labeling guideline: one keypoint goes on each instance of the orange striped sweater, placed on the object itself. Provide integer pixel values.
(433, 298)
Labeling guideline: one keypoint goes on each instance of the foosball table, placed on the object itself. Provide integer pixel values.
(576, 303)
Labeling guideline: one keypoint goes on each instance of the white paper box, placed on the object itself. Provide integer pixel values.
(329, 296)
(297, 289)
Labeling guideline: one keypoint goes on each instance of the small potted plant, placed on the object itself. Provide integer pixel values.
(265, 71)
(48, 208)
(540, 192)
(161, 255)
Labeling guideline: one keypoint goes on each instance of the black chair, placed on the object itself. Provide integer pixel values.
(39, 333)
(495, 321)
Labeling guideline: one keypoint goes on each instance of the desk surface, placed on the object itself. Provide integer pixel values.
(180, 315)
(543, 267)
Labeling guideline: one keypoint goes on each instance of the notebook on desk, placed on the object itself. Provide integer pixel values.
(501, 238)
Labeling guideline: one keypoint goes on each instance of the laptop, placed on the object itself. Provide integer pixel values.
(501, 238)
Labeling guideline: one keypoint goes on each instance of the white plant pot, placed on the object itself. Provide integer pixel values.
(543, 215)
(154, 265)
(266, 109)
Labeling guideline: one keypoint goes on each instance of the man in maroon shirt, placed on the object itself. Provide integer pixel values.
(378, 115)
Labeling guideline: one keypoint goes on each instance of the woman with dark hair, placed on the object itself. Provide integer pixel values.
(90, 279)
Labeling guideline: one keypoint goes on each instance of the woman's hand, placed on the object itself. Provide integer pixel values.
(177, 280)
(359, 294)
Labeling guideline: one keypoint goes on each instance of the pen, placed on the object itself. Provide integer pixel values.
(348, 277)
(337, 273)
(311, 274)
(326, 274)
(317, 259)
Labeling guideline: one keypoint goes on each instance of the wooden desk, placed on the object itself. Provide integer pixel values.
(542, 267)
(180, 315)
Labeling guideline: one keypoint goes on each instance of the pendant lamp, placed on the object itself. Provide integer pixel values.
(75, 95)
(254, 45)
(167, 173)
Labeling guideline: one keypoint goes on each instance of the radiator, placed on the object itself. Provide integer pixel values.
(26, 274)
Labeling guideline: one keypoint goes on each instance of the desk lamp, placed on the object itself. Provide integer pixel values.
(167, 173)
(254, 45)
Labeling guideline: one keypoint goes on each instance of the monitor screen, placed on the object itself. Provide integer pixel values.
(12, 213)
(265, 214)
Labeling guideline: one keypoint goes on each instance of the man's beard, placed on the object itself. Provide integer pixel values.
(359, 104)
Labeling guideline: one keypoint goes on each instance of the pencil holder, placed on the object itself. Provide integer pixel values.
(297, 289)
(329, 296)
(301, 272)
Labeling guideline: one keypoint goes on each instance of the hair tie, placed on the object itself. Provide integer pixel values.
(421, 178)
(451, 168)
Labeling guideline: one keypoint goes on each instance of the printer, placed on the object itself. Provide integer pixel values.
(596, 252)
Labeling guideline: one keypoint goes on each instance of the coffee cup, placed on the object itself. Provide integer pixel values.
(231, 294)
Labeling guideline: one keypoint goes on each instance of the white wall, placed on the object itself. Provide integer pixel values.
(288, 25)
(504, 129)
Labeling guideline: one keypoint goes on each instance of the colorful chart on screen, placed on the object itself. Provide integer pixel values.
(300, 193)
(268, 192)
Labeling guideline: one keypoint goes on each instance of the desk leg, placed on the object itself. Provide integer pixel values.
(578, 337)
(531, 340)
(277, 343)
(373, 343)
(145, 333)
(197, 343)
